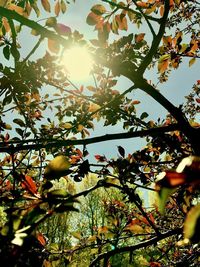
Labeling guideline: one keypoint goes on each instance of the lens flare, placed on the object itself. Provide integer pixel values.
(78, 63)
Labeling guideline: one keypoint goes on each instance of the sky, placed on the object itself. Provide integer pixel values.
(179, 84)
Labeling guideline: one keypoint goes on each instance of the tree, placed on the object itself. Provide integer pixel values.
(37, 149)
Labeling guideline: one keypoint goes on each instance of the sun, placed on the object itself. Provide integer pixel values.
(78, 63)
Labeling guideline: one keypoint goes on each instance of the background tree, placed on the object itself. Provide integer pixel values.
(38, 149)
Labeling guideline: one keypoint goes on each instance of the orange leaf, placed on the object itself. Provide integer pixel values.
(162, 66)
(53, 46)
(41, 239)
(162, 10)
(29, 184)
(93, 19)
(46, 5)
(142, 4)
(57, 8)
(139, 37)
(6, 24)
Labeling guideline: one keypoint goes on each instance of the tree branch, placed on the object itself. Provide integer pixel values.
(156, 41)
(9, 14)
(138, 246)
(49, 143)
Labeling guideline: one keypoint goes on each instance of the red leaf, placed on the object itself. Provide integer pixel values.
(62, 29)
(198, 100)
(41, 239)
(155, 264)
(100, 158)
(29, 184)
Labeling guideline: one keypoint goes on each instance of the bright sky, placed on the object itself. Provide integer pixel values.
(179, 84)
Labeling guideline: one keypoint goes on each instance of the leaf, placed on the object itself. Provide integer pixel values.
(57, 8)
(3, 3)
(144, 115)
(67, 125)
(51, 22)
(19, 122)
(139, 37)
(53, 46)
(142, 4)
(163, 196)
(192, 61)
(19, 131)
(163, 66)
(29, 184)
(62, 29)
(162, 9)
(122, 22)
(46, 5)
(100, 158)
(135, 228)
(40, 237)
(92, 19)
(98, 9)
(121, 151)
(191, 223)
(7, 126)
(6, 52)
(77, 235)
(57, 168)
(58, 193)
(63, 6)
(93, 107)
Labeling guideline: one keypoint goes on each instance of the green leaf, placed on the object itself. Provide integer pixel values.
(163, 196)
(191, 222)
(192, 61)
(19, 122)
(6, 52)
(98, 9)
(144, 115)
(19, 131)
(58, 193)
(57, 168)
(51, 22)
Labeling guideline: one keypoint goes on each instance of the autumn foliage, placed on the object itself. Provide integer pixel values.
(62, 204)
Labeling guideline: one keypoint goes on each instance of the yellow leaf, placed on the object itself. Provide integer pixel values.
(57, 167)
(191, 222)
(183, 48)
(63, 6)
(67, 125)
(150, 10)
(93, 107)
(76, 235)
(3, 3)
(162, 66)
(135, 228)
(57, 8)
(16, 8)
(192, 61)
(163, 58)
(80, 128)
(46, 5)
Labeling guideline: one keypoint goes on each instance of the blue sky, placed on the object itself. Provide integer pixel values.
(179, 84)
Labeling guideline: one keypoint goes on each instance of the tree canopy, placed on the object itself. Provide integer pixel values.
(63, 205)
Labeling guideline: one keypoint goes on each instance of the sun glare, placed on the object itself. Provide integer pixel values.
(78, 63)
